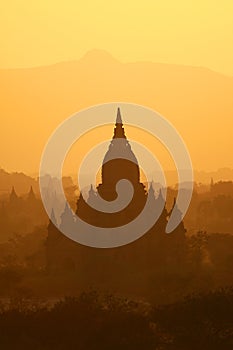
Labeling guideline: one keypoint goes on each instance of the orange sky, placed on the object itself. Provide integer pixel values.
(181, 33)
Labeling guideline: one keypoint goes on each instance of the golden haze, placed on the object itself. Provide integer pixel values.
(198, 33)
(180, 33)
(196, 100)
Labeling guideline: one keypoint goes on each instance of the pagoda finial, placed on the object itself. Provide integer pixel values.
(53, 217)
(119, 131)
(91, 191)
(118, 119)
(91, 195)
(31, 194)
(151, 189)
(13, 195)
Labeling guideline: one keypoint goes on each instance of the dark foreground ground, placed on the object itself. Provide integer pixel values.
(94, 322)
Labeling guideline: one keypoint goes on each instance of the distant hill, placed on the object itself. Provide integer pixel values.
(34, 101)
(20, 181)
(204, 177)
(23, 182)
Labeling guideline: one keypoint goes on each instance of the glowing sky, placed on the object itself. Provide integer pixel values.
(182, 33)
(198, 33)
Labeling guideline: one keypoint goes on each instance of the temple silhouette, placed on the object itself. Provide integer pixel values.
(119, 163)
(155, 246)
(21, 214)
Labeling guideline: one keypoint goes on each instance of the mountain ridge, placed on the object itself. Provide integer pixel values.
(197, 101)
(91, 55)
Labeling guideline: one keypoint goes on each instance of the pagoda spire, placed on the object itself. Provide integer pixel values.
(67, 218)
(91, 191)
(151, 188)
(91, 195)
(31, 194)
(119, 131)
(13, 195)
(53, 217)
(119, 119)
(151, 195)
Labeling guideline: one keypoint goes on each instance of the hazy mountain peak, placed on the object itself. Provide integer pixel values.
(98, 56)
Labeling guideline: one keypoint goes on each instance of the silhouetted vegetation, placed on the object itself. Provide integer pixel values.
(39, 266)
(91, 321)
(86, 322)
(199, 322)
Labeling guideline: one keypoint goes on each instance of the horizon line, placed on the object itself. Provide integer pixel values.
(107, 53)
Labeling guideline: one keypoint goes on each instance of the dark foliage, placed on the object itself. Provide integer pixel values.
(92, 322)
(80, 323)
